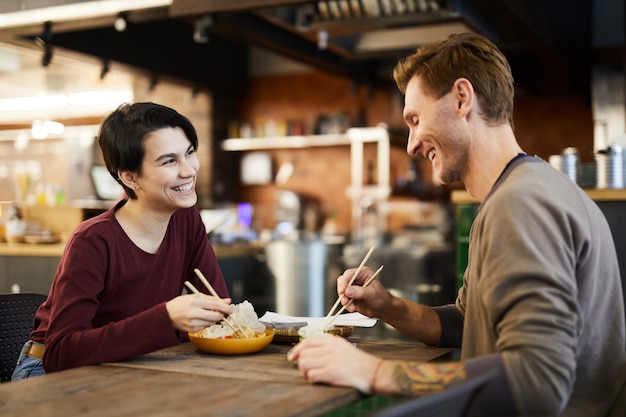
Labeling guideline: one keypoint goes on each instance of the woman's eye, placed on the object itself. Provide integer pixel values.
(191, 151)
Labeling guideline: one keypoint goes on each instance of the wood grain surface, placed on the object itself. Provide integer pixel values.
(184, 381)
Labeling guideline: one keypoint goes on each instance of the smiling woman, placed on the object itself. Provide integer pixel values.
(98, 299)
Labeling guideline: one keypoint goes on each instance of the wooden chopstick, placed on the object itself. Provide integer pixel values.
(192, 288)
(365, 284)
(324, 324)
(214, 294)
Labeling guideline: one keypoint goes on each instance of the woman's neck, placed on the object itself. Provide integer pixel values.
(145, 227)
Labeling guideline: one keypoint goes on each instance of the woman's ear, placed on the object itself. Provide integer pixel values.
(129, 179)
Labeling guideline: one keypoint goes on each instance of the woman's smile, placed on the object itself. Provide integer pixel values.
(185, 188)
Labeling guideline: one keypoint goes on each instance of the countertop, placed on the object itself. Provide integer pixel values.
(56, 249)
(596, 194)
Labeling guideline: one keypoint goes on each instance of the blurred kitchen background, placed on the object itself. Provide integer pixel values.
(302, 142)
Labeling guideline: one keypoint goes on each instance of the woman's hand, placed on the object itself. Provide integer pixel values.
(335, 361)
(194, 312)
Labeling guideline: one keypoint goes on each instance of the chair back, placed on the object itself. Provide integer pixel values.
(17, 312)
(619, 408)
(455, 401)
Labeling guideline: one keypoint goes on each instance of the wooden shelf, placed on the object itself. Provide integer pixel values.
(597, 194)
(286, 142)
(369, 134)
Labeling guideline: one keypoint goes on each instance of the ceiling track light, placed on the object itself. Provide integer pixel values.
(121, 22)
(44, 41)
(45, 37)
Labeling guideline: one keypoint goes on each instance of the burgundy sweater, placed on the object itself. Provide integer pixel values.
(107, 300)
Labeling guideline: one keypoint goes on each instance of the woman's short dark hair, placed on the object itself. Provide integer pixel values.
(123, 132)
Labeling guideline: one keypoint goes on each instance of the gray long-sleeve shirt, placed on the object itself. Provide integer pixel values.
(542, 296)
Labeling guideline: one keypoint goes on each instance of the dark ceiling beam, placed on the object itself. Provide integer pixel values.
(166, 48)
(22, 35)
(535, 54)
(565, 29)
(548, 42)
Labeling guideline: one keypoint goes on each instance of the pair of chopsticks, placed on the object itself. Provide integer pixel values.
(330, 318)
(214, 294)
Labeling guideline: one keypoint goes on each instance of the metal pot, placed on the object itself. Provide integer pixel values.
(298, 268)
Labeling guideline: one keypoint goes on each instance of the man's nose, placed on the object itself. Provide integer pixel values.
(412, 146)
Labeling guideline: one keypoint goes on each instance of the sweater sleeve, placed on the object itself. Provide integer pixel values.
(451, 326)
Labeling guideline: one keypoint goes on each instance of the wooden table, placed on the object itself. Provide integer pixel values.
(183, 381)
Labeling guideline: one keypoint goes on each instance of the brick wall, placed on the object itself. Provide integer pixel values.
(543, 127)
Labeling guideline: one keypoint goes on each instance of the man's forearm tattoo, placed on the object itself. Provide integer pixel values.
(417, 378)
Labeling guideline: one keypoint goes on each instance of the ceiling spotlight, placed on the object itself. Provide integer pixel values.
(201, 29)
(46, 35)
(120, 22)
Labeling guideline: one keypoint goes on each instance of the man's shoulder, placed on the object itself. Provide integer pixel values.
(533, 177)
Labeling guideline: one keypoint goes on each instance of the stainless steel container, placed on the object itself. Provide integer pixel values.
(616, 173)
(610, 165)
(602, 170)
(299, 272)
(570, 163)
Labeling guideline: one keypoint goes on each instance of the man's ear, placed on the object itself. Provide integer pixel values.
(129, 179)
(463, 92)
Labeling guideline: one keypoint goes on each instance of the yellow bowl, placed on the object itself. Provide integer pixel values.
(232, 346)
